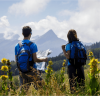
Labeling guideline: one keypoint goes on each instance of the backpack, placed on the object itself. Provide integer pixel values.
(23, 56)
(78, 54)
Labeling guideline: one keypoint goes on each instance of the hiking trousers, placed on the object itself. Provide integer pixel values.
(76, 76)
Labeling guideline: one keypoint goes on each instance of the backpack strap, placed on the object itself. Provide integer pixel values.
(31, 62)
(20, 43)
(29, 44)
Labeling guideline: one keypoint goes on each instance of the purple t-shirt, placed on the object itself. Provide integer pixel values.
(33, 48)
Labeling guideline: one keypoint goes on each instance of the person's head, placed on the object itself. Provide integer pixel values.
(26, 31)
(72, 36)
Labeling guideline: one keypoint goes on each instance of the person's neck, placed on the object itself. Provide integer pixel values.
(26, 38)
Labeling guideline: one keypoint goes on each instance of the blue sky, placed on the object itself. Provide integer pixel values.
(58, 15)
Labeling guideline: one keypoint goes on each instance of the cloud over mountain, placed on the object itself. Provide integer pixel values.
(28, 7)
(85, 20)
(4, 21)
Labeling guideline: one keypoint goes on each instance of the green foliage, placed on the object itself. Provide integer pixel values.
(93, 85)
(6, 79)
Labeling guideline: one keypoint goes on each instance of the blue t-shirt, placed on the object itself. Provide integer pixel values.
(33, 48)
(67, 48)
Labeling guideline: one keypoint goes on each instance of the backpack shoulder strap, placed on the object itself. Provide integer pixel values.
(29, 43)
(20, 43)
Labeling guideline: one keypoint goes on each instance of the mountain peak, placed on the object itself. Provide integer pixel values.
(50, 35)
(50, 32)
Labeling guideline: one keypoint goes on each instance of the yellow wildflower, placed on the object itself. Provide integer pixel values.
(3, 60)
(90, 54)
(64, 64)
(93, 62)
(4, 77)
(4, 68)
(46, 71)
(51, 70)
(8, 62)
(64, 60)
(50, 62)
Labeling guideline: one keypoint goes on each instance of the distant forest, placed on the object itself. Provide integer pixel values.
(58, 60)
(93, 46)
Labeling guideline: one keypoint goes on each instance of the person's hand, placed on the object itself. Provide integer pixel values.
(63, 47)
(46, 59)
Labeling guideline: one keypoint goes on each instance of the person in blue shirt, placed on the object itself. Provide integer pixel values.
(27, 32)
(74, 72)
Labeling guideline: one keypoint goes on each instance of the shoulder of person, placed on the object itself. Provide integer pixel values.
(33, 44)
(80, 42)
(68, 44)
(17, 45)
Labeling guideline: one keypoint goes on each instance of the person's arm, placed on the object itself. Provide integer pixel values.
(38, 59)
(67, 54)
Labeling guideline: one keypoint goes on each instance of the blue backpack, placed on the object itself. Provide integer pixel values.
(23, 56)
(78, 54)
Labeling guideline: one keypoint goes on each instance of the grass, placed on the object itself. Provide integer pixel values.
(53, 89)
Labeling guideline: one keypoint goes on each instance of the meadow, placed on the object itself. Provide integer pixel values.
(53, 86)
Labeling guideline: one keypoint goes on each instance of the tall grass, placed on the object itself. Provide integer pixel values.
(53, 88)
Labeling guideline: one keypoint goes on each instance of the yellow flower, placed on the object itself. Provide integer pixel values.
(94, 61)
(64, 64)
(50, 62)
(51, 70)
(3, 60)
(8, 62)
(90, 54)
(46, 71)
(64, 60)
(91, 67)
(4, 77)
(4, 68)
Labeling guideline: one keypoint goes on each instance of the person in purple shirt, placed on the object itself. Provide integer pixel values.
(74, 72)
(27, 32)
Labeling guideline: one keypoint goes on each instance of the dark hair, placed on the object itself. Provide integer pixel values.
(26, 31)
(72, 36)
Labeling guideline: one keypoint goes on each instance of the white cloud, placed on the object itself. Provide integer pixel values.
(6, 29)
(10, 34)
(4, 22)
(28, 7)
(86, 22)
(39, 28)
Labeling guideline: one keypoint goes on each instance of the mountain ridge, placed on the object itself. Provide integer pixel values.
(49, 40)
